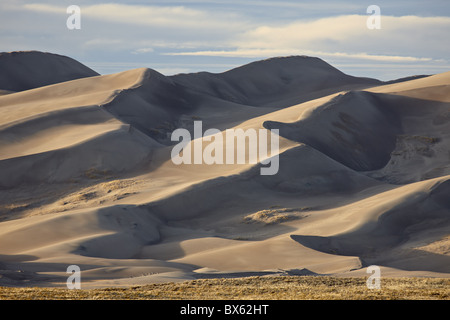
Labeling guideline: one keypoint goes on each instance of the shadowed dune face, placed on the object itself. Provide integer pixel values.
(440, 194)
(356, 129)
(32, 69)
(154, 104)
(365, 131)
(86, 175)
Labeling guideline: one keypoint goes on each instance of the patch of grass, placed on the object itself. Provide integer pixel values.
(275, 215)
(94, 173)
(84, 196)
(426, 139)
(13, 207)
(241, 238)
(116, 185)
(423, 139)
(254, 288)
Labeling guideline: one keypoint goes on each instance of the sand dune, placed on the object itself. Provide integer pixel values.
(397, 138)
(86, 176)
(276, 82)
(32, 69)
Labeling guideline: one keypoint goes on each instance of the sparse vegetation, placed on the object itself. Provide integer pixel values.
(254, 288)
(426, 139)
(13, 207)
(117, 184)
(275, 215)
(94, 173)
(84, 196)
(423, 139)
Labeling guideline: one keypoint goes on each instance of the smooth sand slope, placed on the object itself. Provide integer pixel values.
(86, 176)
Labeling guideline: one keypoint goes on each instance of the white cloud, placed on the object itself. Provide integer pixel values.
(262, 53)
(142, 50)
(144, 15)
(41, 7)
(151, 16)
(401, 39)
(405, 38)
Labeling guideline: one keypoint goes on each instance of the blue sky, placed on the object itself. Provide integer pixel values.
(190, 36)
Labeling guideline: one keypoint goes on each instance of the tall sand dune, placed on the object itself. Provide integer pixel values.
(24, 70)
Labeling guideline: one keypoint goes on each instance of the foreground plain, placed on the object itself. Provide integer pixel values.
(252, 288)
